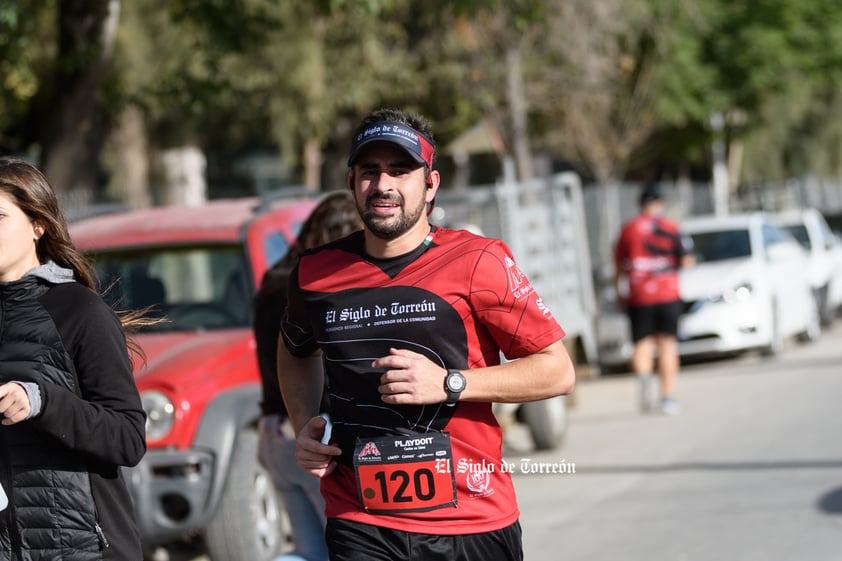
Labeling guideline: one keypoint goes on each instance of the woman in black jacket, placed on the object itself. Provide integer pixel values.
(71, 414)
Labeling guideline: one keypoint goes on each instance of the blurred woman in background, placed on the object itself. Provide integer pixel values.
(334, 217)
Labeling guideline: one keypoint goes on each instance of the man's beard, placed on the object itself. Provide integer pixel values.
(392, 228)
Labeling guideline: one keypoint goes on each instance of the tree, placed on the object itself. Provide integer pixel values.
(593, 69)
(20, 51)
(607, 85)
(770, 67)
(72, 116)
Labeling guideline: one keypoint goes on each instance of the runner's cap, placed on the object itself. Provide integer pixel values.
(651, 193)
(413, 142)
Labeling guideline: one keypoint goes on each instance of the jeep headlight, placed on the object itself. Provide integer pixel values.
(160, 414)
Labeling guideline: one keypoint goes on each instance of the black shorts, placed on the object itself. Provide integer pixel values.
(353, 541)
(659, 319)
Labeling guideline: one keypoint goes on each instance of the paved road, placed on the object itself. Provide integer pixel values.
(750, 470)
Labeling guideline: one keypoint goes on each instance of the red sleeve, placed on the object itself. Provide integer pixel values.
(508, 306)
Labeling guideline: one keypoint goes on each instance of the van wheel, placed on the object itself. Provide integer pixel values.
(547, 421)
(826, 313)
(249, 523)
(776, 340)
(814, 326)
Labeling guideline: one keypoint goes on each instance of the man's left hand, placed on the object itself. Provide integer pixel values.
(410, 378)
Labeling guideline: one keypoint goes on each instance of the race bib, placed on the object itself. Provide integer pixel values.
(397, 474)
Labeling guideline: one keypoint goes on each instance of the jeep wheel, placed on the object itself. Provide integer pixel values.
(250, 523)
(547, 421)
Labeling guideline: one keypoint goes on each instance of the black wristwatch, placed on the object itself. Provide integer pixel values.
(454, 384)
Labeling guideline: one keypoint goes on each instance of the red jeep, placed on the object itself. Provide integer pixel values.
(198, 266)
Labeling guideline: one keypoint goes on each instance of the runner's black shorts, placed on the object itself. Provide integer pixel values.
(353, 541)
(659, 319)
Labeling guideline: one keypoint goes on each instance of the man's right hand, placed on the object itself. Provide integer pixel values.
(313, 456)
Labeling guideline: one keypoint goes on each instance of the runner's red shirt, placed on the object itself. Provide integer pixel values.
(649, 252)
(460, 300)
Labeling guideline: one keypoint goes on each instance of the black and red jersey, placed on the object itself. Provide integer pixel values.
(649, 252)
(460, 300)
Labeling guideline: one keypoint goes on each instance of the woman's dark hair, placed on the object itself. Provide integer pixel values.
(29, 189)
(334, 217)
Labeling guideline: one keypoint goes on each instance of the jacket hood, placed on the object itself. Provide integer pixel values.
(51, 272)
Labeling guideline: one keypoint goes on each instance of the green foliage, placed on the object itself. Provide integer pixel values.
(18, 81)
(610, 84)
(24, 45)
(776, 60)
(223, 25)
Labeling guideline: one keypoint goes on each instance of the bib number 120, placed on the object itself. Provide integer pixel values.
(405, 487)
(423, 481)
(397, 475)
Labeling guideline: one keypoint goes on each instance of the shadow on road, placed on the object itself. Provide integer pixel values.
(831, 502)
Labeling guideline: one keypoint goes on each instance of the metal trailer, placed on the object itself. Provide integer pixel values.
(543, 223)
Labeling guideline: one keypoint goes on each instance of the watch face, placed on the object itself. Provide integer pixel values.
(455, 382)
